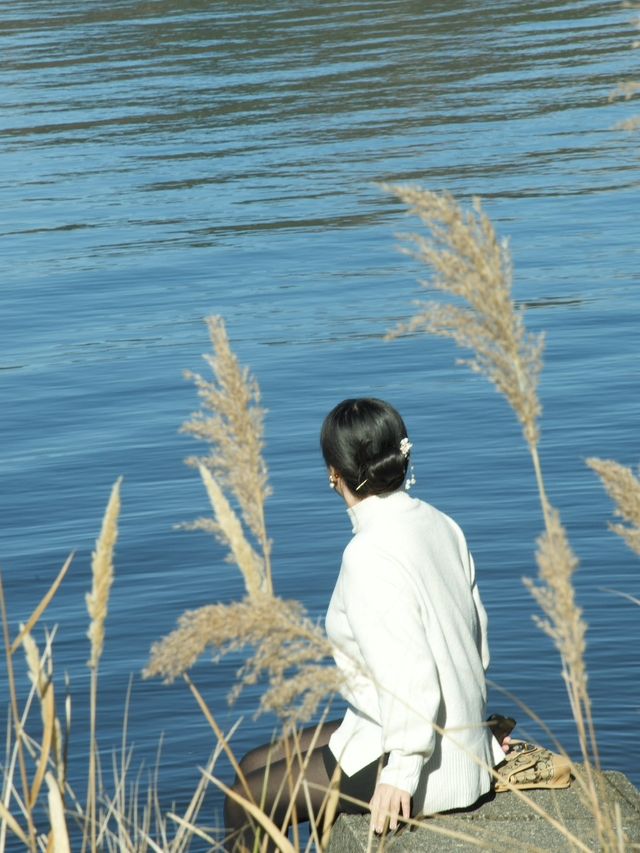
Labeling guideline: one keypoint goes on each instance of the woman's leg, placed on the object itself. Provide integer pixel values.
(279, 791)
(271, 772)
(263, 756)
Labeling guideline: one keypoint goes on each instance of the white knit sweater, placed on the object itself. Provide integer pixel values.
(410, 633)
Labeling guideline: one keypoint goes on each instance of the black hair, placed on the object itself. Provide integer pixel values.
(361, 439)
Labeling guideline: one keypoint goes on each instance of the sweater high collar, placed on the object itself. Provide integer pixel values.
(369, 510)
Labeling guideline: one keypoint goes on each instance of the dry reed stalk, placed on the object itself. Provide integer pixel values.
(474, 271)
(32, 747)
(330, 806)
(231, 422)
(295, 777)
(40, 671)
(192, 829)
(102, 571)
(222, 739)
(57, 818)
(276, 835)
(229, 531)
(42, 606)
(13, 825)
(186, 827)
(472, 266)
(48, 714)
(555, 595)
(97, 606)
(17, 724)
(283, 641)
(282, 638)
(623, 487)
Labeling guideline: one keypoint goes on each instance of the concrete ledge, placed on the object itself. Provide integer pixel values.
(502, 822)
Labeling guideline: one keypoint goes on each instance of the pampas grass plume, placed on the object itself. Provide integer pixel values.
(472, 267)
(623, 487)
(102, 570)
(231, 423)
(229, 530)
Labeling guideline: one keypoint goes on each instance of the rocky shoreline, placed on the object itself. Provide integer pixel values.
(502, 822)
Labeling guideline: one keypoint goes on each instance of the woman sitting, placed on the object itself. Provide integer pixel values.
(410, 636)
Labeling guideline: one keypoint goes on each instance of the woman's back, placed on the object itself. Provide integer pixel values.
(407, 616)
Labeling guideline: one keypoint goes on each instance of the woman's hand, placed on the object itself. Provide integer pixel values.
(388, 803)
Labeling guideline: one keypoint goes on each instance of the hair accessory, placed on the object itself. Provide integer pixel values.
(405, 448)
(361, 484)
(411, 479)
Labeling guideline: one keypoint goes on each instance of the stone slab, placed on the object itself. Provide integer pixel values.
(501, 822)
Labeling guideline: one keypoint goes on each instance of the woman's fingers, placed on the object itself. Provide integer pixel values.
(388, 803)
(405, 802)
(378, 810)
(394, 809)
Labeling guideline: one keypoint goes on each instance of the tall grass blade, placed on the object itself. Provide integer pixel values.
(18, 727)
(223, 739)
(56, 816)
(97, 606)
(13, 824)
(276, 835)
(48, 713)
(42, 606)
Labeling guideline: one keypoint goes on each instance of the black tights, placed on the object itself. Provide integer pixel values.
(271, 772)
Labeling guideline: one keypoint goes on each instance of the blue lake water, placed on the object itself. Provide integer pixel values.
(166, 161)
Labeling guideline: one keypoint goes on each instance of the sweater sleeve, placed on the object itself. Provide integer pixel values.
(388, 627)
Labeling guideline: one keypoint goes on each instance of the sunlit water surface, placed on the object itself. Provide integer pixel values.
(164, 161)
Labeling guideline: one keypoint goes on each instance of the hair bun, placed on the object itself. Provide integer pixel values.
(364, 439)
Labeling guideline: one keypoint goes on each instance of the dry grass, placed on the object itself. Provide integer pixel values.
(59, 837)
(35, 775)
(472, 268)
(231, 423)
(623, 487)
(131, 819)
(565, 625)
(97, 606)
(102, 572)
(288, 650)
(286, 647)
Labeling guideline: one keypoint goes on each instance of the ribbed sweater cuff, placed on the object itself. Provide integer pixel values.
(402, 771)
